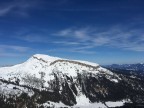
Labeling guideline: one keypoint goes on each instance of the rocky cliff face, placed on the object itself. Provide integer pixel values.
(44, 81)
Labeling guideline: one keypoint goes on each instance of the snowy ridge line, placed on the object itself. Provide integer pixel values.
(75, 62)
(40, 59)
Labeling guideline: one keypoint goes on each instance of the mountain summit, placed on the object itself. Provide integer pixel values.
(47, 81)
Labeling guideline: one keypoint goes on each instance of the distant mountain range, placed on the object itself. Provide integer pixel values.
(129, 69)
(133, 67)
(51, 82)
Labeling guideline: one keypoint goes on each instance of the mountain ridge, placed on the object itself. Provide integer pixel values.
(54, 81)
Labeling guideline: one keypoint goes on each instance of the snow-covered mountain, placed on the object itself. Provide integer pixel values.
(133, 67)
(46, 81)
(129, 69)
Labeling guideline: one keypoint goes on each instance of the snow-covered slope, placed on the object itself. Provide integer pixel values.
(62, 82)
(43, 63)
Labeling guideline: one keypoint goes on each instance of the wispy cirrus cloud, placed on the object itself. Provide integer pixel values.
(13, 50)
(66, 42)
(33, 38)
(5, 10)
(13, 47)
(73, 46)
(19, 7)
(8, 54)
(87, 39)
(127, 38)
(73, 50)
(74, 32)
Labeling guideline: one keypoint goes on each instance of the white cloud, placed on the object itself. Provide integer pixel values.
(19, 7)
(63, 32)
(66, 42)
(13, 51)
(33, 38)
(81, 50)
(118, 37)
(81, 34)
(87, 39)
(7, 54)
(5, 10)
(14, 48)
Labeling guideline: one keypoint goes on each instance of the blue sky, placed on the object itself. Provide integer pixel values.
(102, 31)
